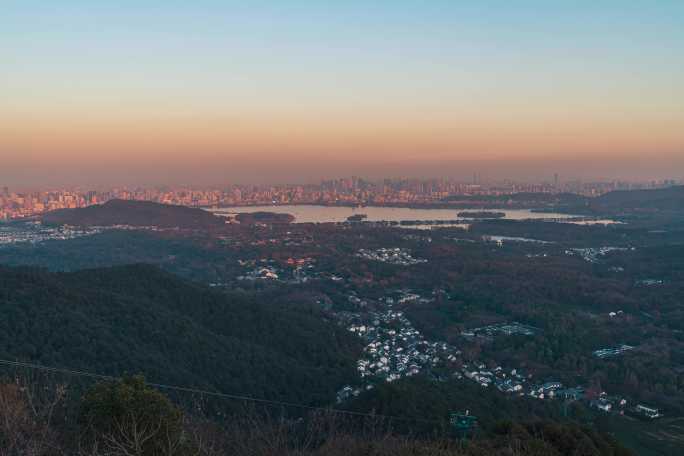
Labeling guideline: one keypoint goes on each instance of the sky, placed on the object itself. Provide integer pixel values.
(235, 91)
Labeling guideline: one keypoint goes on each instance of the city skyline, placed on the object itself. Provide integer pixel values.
(294, 91)
(17, 203)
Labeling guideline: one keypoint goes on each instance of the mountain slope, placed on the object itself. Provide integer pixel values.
(140, 319)
(135, 213)
(670, 198)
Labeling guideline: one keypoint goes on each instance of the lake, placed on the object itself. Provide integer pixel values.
(323, 214)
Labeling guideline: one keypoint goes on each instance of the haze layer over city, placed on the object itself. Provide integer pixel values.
(295, 91)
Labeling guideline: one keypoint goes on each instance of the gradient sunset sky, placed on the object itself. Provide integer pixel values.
(298, 90)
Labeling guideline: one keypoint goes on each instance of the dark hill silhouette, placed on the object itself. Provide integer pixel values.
(264, 217)
(670, 198)
(140, 319)
(135, 213)
(615, 202)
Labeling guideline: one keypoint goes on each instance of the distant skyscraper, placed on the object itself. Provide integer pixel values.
(555, 180)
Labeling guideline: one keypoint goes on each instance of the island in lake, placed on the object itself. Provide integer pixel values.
(481, 215)
(264, 217)
(357, 217)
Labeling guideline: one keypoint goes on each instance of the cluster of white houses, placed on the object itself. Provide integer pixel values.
(396, 256)
(395, 349)
(35, 233)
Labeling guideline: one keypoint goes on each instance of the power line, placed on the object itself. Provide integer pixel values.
(184, 389)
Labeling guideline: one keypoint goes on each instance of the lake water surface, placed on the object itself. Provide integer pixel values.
(323, 214)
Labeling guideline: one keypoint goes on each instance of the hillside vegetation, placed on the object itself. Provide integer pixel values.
(135, 213)
(139, 319)
(128, 418)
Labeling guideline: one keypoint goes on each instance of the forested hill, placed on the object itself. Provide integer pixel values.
(670, 198)
(140, 319)
(135, 213)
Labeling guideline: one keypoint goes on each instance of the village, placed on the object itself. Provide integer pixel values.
(396, 256)
(395, 349)
(594, 254)
(34, 233)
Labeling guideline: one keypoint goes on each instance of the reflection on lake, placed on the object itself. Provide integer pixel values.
(323, 214)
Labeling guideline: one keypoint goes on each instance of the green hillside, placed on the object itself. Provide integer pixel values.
(140, 319)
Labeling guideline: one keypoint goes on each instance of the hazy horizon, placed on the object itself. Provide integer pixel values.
(33, 180)
(296, 91)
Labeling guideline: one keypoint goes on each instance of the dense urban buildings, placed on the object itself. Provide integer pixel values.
(349, 191)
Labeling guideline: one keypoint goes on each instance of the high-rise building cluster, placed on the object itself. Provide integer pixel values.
(351, 191)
